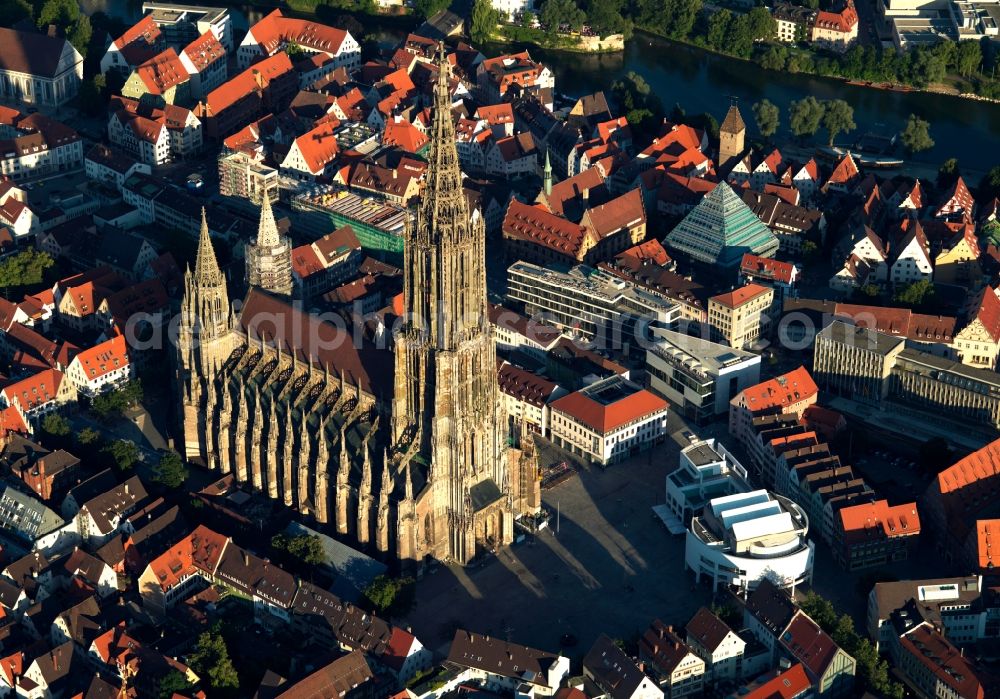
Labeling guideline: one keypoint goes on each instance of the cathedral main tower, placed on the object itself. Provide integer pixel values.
(446, 407)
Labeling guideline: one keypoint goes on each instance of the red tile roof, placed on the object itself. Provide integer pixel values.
(738, 297)
(524, 385)
(495, 114)
(843, 21)
(103, 358)
(988, 313)
(399, 132)
(767, 268)
(275, 29)
(253, 79)
(534, 224)
(943, 660)
(650, 252)
(788, 684)
(621, 212)
(987, 543)
(809, 644)
(898, 321)
(201, 550)
(845, 172)
(606, 418)
(877, 520)
(162, 72)
(138, 42)
(780, 392)
(318, 147)
(205, 50)
(35, 390)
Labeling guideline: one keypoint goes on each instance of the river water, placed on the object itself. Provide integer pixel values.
(704, 82)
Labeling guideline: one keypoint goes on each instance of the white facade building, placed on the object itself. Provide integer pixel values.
(698, 377)
(512, 9)
(706, 470)
(38, 69)
(609, 421)
(275, 31)
(744, 538)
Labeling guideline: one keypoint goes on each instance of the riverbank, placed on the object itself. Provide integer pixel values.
(572, 43)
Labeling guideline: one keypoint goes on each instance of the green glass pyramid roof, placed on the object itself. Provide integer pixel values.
(720, 229)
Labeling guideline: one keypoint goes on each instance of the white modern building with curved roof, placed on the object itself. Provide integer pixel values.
(742, 538)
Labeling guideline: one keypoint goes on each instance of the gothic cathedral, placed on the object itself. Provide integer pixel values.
(405, 452)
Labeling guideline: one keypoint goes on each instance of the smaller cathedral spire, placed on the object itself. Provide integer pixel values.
(547, 175)
(206, 266)
(409, 483)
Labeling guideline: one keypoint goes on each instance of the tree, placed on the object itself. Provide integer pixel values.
(170, 471)
(305, 547)
(968, 57)
(838, 118)
(917, 135)
(718, 29)
(762, 24)
(13, 11)
(805, 116)
(26, 268)
(293, 50)
(672, 18)
(392, 595)
(87, 436)
(91, 95)
(989, 186)
(124, 452)
(173, 683)
(558, 12)
(61, 13)
(774, 58)
(739, 38)
(768, 117)
(56, 425)
(948, 173)
(872, 670)
(429, 8)
(484, 21)
(79, 34)
(915, 295)
(810, 250)
(527, 19)
(210, 660)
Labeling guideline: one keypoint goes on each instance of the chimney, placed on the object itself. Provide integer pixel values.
(126, 487)
(586, 197)
(246, 558)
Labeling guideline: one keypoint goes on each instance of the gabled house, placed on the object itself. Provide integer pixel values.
(957, 204)
(100, 368)
(677, 669)
(978, 343)
(504, 667)
(616, 674)
(910, 260)
(312, 154)
(717, 644)
(102, 516)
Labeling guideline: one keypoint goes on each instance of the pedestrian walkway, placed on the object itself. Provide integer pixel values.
(142, 419)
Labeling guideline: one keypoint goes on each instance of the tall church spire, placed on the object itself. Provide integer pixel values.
(446, 405)
(269, 258)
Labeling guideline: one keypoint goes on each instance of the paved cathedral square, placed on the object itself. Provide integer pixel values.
(406, 451)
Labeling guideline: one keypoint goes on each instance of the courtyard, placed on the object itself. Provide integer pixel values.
(604, 565)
